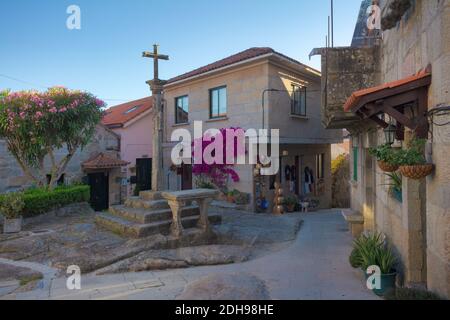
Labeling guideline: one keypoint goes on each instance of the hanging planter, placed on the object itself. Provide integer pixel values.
(387, 167)
(386, 157)
(417, 172)
(412, 161)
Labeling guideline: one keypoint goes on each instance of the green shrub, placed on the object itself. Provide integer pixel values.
(40, 201)
(370, 250)
(11, 205)
(411, 294)
(414, 154)
(385, 153)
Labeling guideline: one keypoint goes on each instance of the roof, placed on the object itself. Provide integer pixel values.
(103, 161)
(357, 96)
(239, 57)
(119, 115)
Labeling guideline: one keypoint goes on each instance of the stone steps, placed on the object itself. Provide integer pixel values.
(148, 216)
(150, 195)
(133, 229)
(139, 203)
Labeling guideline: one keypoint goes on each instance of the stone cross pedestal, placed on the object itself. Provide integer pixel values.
(156, 86)
(178, 200)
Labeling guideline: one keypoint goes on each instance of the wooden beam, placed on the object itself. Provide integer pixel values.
(400, 117)
(380, 122)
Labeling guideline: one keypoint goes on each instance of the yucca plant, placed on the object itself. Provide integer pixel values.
(363, 247)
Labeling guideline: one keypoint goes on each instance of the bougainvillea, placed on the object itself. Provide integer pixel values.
(35, 124)
(218, 172)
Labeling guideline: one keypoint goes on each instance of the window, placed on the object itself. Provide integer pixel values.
(298, 101)
(355, 163)
(182, 109)
(218, 102)
(131, 110)
(320, 166)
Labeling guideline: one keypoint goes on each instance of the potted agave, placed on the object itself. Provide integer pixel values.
(412, 160)
(11, 207)
(386, 157)
(371, 250)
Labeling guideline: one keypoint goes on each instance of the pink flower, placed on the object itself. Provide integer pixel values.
(53, 110)
(63, 109)
(99, 102)
(39, 115)
(22, 115)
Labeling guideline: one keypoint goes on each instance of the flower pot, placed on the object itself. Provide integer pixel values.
(291, 208)
(12, 225)
(397, 195)
(387, 167)
(230, 199)
(417, 172)
(387, 283)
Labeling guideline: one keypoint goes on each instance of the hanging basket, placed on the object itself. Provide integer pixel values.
(387, 167)
(417, 172)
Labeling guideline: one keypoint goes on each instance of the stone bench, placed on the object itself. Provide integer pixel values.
(179, 199)
(355, 221)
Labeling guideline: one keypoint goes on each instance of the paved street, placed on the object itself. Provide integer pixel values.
(314, 266)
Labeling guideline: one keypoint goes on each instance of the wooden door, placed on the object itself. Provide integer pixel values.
(144, 174)
(99, 183)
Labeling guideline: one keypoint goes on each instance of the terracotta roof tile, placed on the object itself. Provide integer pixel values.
(358, 95)
(121, 114)
(239, 57)
(103, 161)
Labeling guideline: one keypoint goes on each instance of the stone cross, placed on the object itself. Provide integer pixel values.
(156, 86)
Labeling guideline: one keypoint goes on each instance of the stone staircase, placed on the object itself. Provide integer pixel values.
(147, 215)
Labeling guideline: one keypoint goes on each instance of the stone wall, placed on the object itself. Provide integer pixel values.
(422, 37)
(104, 140)
(418, 228)
(347, 70)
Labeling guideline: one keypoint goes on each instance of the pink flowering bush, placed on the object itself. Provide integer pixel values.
(216, 173)
(35, 124)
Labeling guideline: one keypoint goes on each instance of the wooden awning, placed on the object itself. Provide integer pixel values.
(392, 98)
(103, 161)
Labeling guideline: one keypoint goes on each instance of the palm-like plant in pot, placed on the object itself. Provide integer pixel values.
(412, 160)
(371, 250)
(11, 207)
(386, 157)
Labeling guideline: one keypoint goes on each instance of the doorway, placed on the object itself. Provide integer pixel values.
(99, 183)
(186, 177)
(144, 174)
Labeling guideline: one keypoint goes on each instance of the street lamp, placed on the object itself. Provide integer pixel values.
(389, 133)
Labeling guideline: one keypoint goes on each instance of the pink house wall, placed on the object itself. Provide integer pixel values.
(136, 140)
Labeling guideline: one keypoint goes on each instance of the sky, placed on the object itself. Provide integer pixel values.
(105, 56)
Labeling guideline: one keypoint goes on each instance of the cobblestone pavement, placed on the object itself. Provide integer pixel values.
(313, 266)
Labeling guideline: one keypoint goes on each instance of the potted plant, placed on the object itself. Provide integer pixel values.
(371, 250)
(290, 203)
(412, 160)
(242, 198)
(395, 186)
(231, 196)
(11, 207)
(386, 157)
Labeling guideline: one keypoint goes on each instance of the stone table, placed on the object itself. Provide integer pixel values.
(177, 201)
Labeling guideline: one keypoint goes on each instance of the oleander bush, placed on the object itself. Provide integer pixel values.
(38, 201)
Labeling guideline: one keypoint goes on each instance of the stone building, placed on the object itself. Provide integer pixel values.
(406, 77)
(257, 88)
(98, 164)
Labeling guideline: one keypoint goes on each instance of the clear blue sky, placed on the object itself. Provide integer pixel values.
(104, 57)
